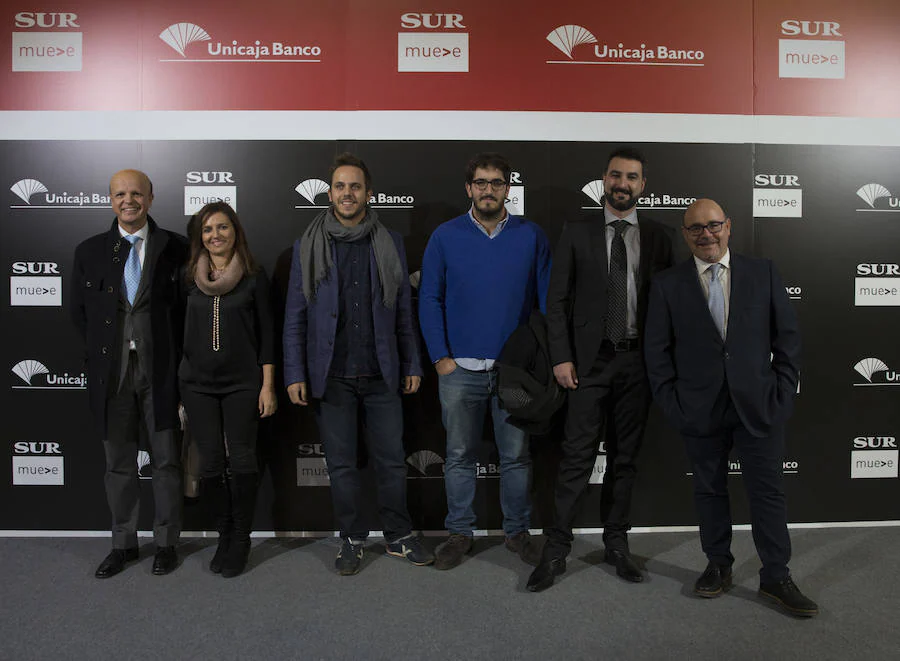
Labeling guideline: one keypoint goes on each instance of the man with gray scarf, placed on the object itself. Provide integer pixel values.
(350, 348)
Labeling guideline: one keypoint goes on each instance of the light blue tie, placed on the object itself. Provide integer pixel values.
(132, 275)
(717, 299)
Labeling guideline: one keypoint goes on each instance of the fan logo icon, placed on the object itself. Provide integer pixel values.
(594, 190)
(872, 193)
(427, 464)
(179, 36)
(34, 375)
(875, 372)
(567, 38)
(25, 188)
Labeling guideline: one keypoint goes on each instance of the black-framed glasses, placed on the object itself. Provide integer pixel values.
(482, 184)
(714, 227)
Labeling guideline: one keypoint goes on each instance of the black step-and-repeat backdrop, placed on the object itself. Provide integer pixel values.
(828, 216)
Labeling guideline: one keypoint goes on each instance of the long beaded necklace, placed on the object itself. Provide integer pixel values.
(215, 324)
(215, 312)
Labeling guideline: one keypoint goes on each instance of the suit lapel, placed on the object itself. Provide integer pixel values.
(598, 246)
(696, 298)
(739, 294)
(156, 243)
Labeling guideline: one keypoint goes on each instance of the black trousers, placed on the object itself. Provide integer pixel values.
(126, 411)
(611, 403)
(215, 419)
(345, 404)
(762, 473)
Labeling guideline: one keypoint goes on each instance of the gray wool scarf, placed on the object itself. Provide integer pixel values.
(316, 260)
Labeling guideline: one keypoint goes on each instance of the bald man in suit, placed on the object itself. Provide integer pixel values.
(722, 346)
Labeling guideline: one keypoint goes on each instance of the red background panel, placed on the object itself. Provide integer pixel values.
(872, 48)
(109, 78)
(257, 85)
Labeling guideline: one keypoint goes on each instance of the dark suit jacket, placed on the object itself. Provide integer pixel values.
(310, 327)
(99, 310)
(576, 300)
(688, 362)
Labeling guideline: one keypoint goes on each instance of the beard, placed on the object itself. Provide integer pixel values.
(489, 209)
(620, 205)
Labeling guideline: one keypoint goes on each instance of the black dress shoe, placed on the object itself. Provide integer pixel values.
(542, 577)
(115, 562)
(625, 565)
(713, 581)
(787, 595)
(164, 561)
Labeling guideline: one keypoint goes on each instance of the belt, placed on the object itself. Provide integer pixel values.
(628, 344)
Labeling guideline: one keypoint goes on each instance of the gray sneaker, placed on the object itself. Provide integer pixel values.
(450, 553)
(411, 548)
(349, 558)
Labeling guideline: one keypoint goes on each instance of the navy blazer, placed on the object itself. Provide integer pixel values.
(310, 326)
(688, 363)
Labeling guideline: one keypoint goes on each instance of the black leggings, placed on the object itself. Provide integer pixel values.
(213, 418)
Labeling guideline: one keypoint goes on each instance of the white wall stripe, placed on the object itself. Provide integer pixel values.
(446, 125)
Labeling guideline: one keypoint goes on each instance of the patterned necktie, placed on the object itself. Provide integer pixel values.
(132, 276)
(617, 290)
(717, 299)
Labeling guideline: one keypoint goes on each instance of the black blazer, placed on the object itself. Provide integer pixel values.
(95, 309)
(688, 363)
(576, 298)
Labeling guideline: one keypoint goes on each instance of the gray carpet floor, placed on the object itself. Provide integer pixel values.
(291, 605)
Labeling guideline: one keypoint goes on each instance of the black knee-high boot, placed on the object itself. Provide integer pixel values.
(216, 493)
(243, 498)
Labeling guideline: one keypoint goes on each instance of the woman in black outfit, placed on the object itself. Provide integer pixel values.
(227, 374)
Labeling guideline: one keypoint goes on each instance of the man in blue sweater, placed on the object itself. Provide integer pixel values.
(482, 275)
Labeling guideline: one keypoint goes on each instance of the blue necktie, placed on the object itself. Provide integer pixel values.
(717, 299)
(132, 275)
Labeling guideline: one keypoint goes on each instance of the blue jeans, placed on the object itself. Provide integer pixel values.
(345, 403)
(465, 397)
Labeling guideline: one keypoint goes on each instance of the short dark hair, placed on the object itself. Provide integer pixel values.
(353, 160)
(629, 154)
(488, 159)
(195, 234)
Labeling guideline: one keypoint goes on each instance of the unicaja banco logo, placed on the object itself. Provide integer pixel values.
(179, 35)
(594, 190)
(25, 188)
(309, 189)
(870, 193)
(567, 37)
(34, 375)
(876, 373)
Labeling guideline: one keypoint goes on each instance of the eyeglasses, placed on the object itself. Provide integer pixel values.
(714, 227)
(482, 184)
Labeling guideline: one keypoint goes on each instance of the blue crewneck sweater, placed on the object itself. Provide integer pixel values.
(476, 290)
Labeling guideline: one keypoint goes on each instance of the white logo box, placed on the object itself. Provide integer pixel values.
(877, 292)
(433, 52)
(873, 463)
(810, 58)
(312, 472)
(38, 471)
(46, 51)
(196, 197)
(599, 470)
(777, 203)
(35, 290)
